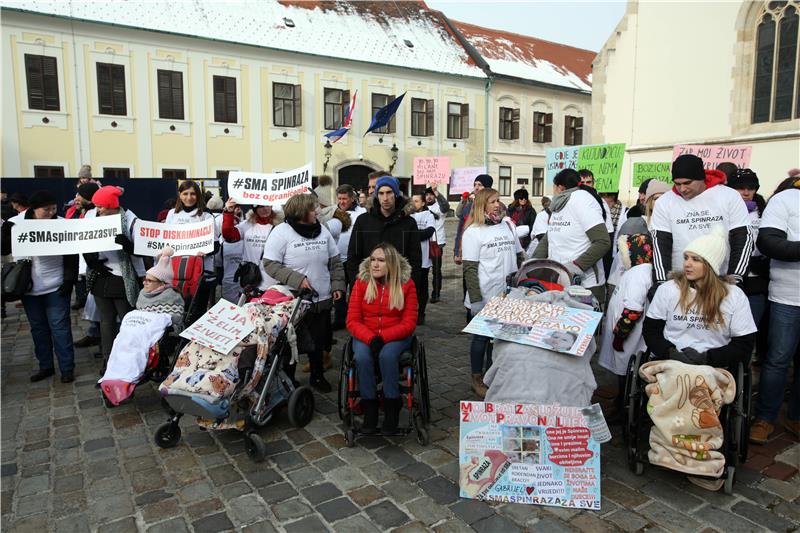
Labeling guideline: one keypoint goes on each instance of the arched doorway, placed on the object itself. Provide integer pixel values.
(355, 175)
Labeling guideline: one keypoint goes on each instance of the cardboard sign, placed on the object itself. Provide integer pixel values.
(185, 239)
(660, 171)
(431, 170)
(464, 178)
(714, 154)
(252, 188)
(604, 160)
(553, 327)
(557, 159)
(221, 328)
(35, 238)
(531, 454)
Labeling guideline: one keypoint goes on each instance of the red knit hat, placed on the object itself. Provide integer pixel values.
(107, 197)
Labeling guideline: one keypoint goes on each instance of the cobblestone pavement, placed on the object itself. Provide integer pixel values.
(70, 464)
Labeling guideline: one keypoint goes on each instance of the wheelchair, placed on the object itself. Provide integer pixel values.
(734, 418)
(413, 393)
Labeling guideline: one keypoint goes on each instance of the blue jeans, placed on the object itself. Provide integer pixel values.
(758, 305)
(389, 360)
(784, 336)
(478, 347)
(48, 316)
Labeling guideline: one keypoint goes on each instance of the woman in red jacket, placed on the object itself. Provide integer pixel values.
(381, 317)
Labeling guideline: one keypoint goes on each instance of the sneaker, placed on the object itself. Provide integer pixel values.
(87, 341)
(793, 427)
(478, 386)
(704, 483)
(67, 377)
(42, 374)
(760, 431)
(321, 384)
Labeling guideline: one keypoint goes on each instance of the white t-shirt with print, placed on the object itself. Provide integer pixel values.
(47, 271)
(308, 256)
(254, 236)
(495, 249)
(783, 213)
(566, 234)
(344, 237)
(112, 256)
(688, 219)
(690, 330)
(191, 217)
(425, 220)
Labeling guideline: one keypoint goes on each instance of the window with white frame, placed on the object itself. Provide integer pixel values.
(505, 181)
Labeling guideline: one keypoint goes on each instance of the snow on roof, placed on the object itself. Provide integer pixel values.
(370, 31)
(529, 58)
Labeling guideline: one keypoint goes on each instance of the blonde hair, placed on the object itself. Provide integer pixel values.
(393, 281)
(478, 212)
(709, 293)
(649, 206)
(299, 206)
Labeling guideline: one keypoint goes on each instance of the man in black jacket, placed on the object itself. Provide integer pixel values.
(385, 222)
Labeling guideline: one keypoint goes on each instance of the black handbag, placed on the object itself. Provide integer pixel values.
(17, 279)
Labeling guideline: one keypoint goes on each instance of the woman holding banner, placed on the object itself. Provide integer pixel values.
(190, 208)
(113, 277)
(490, 251)
(301, 253)
(47, 302)
(253, 232)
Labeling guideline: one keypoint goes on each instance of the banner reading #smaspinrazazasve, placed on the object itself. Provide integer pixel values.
(253, 188)
(34, 238)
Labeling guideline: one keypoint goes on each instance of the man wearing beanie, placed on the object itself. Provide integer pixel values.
(385, 222)
(696, 204)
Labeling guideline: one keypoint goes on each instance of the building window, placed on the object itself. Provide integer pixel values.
(41, 74)
(48, 172)
(379, 101)
(505, 181)
(170, 94)
(542, 127)
(421, 117)
(111, 89)
(457, 121)
(509, 123)
(776, 88)
(286, 105)
(336, 101)
(538, 181)
(116, 173)
(224, 99)
(573, 130)
(173, 173)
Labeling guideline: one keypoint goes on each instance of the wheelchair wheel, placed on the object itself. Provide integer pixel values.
(421, 392)
(633, 406)
(423, 435)
(730, 475)
(744, 381)
(301, 406)
(350, 438)
(255, 447)
(344, 367)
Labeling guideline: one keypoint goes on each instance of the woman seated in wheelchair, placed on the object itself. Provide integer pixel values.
(381, 317)
(158, 295)
(695, 318)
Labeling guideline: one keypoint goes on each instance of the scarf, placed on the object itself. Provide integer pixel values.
(309, 231)
(129, 276)
(751, 205)
(616, 211)
(492, 219)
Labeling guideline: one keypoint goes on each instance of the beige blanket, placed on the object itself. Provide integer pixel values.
(684, 404)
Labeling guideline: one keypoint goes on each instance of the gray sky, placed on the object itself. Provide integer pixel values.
(585, 24)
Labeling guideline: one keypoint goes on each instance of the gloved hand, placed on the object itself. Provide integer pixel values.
(690, 356)
(617, 343)
(376, 344)
(65, 289)
(94, 262)
(125, 242)
(575, 272)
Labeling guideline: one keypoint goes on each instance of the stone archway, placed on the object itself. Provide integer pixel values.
(354, 172)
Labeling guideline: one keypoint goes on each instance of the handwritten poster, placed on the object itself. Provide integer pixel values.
(184, 239)
(530, 454)
(431, 170)
(714, 154)
(34, 238)
(605, 162)
(661, 171)
(463, 179)
(274, 189)
(221, 328)
(557, 159)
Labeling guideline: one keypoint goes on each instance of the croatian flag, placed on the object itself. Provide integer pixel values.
(336, 135)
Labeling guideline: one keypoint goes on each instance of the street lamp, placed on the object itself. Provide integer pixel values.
(394, 149)
(328, 154)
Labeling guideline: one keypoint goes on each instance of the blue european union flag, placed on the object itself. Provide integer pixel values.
(385, 114)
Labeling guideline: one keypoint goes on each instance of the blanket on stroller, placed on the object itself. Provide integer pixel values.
(684, 404)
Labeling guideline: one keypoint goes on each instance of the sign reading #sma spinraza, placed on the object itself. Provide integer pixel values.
(275, 189)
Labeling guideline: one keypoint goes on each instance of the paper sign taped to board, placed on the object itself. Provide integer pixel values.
(275, 189)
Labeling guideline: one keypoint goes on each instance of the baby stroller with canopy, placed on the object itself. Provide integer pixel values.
(243, 389)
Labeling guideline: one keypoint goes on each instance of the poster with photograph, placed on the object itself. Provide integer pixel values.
(530, 454)
(553, 327)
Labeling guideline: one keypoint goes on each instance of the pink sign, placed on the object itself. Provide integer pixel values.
(464, 178)
(431, 170)
(714, 154)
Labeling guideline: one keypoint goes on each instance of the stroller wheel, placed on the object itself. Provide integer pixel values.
(168, 435)
(350, 438)
(301, 406)
(423, 436)
(255, 447)
(727, 488)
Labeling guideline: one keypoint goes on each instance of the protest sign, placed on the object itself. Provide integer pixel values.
(660, 171)
(268, 189)
(221, 328)
(32, 238)
(714, 154)
(431, 170)
(185, 239)
(557, 159)
(553, 327)
(464, 178)
(604, 160)
(531, 454)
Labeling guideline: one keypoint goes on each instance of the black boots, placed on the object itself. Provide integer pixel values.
(370, 408)
(391, 417)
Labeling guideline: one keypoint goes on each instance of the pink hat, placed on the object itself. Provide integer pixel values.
(162, 270)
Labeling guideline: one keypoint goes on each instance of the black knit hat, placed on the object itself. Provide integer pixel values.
(41, 199)
(521, 194)
(744, 178)
(643, 186)
(87, 190)
(688, 166)
(485, 179)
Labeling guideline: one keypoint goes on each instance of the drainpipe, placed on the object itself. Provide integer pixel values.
(489, 82)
